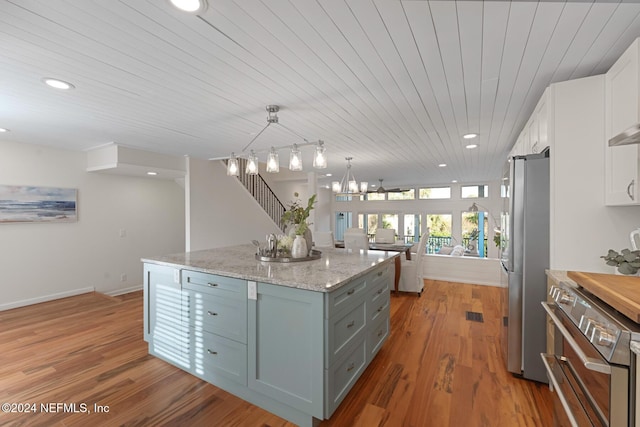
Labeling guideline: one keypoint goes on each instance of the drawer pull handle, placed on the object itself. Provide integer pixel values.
(211, 313)
(379, 273)
(380, 291)
(351, 366)
(380, 308)
(212, 352)
(350, 324)
(213, 285)
(380, 333)
(351, 292)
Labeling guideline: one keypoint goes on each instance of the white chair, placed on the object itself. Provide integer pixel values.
(323, 239)
(386, 235)
(356, 241)
(411, 270)
(355, 230)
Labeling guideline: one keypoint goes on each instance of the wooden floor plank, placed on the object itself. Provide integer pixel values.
(436, 369)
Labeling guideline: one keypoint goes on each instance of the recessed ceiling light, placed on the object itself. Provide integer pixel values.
(442, 165)
(329, 174)
(191, 6)
(471, 146)
(469, 135)
(454, 180)
(57, 84)
(152, 173)
(3, 130)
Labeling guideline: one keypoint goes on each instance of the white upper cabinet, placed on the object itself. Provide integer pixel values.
(622, 110)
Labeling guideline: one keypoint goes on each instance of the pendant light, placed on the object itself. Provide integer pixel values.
(252, 164)
(273, 163)
(295, 159)
(320, 156)
(232, 166)
(349, 185)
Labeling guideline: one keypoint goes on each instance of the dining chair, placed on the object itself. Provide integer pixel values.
(356, 241)
(411, 270)
(323, 239)
(385, 235)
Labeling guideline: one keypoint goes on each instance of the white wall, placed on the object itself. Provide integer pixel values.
(219, 210)
(583, 228)
(41, 261)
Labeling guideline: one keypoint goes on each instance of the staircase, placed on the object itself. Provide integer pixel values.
(261, 191)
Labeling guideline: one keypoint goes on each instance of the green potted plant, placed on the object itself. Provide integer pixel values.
(295, 220)
(627, 261)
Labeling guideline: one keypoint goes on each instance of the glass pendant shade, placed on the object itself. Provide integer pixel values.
(273, 162)
(232, 166)
(320, 156)
(335, 186)
(364, 185)
(295, 159)
(252, 164)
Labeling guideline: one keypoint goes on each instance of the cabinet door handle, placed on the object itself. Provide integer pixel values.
(379, 273)
(629, 187)
(350, 324)
(213, 285)
(379, 291)
(351, 366)
(211, 313)
(350, 292)
(380, 308)
(380, 333)
(212, 352)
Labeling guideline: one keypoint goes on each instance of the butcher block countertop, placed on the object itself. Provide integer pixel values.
(620, 292)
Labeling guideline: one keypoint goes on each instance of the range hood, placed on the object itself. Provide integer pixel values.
(629, 136)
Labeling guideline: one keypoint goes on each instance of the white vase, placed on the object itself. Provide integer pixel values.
(299, 247)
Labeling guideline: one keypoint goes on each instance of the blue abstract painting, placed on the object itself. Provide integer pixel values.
(37, 204)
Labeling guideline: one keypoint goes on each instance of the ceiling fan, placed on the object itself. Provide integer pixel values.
(381, 189)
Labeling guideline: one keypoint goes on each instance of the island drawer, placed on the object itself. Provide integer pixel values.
(377, 335)
(378, 304)
(228, 287)
(215, 357)
(380, 275)
(344, 328)
(341, 376)
(216, 314)
(345, 296)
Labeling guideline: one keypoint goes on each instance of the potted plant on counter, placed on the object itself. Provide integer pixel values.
(626, 262)
(295, 220)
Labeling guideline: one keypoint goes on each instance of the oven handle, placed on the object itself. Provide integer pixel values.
(558, 390)
(589, 362)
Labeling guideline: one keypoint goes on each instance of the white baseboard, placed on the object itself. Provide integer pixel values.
(117, 292)
(478, 271)
(45, 298)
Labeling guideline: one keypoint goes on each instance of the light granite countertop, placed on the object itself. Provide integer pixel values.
(335, 268)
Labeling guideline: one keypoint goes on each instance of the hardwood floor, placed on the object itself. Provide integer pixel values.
(436, 369)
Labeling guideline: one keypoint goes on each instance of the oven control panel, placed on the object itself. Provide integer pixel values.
(594, 324)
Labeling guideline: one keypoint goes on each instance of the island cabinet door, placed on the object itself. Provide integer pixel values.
(165, 326)
(285, 346)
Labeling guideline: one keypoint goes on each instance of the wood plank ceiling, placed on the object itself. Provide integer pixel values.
(393, 83)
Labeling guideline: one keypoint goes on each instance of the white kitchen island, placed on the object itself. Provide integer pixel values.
(292, 338)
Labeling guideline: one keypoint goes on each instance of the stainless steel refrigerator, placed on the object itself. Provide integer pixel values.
(525, 259)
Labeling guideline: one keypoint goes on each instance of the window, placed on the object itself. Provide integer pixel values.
(474, 191)
(474, 233)
(439, 232)
(401, 195)
(369, 222)
(411, 228)
(390, 221)
(376, 196)
(435, 193)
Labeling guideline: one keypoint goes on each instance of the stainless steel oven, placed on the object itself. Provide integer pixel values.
(592, 368)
